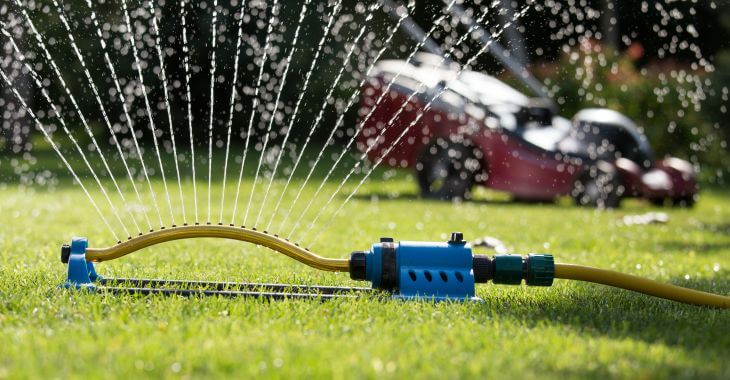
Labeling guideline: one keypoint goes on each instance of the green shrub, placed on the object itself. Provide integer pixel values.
(678, 108)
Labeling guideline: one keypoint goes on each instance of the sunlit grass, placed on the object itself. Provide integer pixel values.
(570, 329)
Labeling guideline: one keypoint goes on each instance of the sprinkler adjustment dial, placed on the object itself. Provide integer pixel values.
(457, 238)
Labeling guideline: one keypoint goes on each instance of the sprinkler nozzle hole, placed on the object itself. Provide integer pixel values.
(412, 275)
(428, 276)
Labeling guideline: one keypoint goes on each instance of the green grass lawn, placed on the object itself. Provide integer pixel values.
(568, 330)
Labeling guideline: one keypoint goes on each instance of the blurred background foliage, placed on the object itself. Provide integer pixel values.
(657, 96)
(608, 53)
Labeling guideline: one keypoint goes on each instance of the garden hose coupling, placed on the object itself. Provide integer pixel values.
(535, 269)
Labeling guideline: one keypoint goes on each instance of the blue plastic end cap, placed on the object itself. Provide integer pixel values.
(80, 272)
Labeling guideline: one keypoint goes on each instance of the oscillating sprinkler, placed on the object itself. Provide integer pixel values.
(408, 270)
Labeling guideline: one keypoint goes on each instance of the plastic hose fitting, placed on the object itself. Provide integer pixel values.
(483, 268)
(540, 270)
(358, 263)
(508, 269)
(535, 269)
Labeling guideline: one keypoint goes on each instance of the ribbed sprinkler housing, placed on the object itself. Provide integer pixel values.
(444, 270)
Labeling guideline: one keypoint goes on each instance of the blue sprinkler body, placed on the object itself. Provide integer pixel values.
(421, 269)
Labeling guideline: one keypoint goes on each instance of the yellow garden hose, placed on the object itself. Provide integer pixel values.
(641, 285)
(303, 255)
(248, 235)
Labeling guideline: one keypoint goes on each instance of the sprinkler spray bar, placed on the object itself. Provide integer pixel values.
(248, 235)
(404, 270)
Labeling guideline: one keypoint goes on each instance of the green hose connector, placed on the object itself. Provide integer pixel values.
(536, 270)
(507, 269)
(540, 270)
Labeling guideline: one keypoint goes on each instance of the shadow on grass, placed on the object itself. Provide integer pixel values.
(614, 313)
(722, 229)
(673, 369)
(698, 248)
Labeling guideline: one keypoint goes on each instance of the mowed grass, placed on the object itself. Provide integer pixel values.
(568, 330)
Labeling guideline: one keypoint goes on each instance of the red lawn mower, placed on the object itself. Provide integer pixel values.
(481, 131)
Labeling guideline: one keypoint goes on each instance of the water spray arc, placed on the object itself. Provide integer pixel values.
(500, 53)
(317, 121)
(231, 104)
(47, 56)
(62, 121)
(335, 11)
(338, 124)
(211, 110)
(424, 40)
(153, 130)
(57, 150)
(188, 103)
(255, 101)
(267, 135)
(163, 78)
